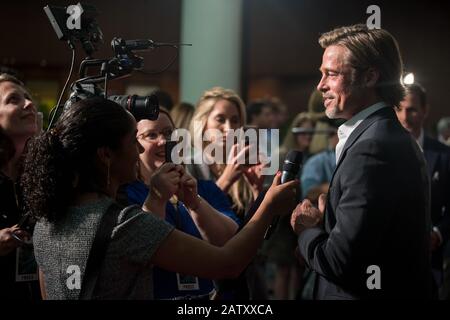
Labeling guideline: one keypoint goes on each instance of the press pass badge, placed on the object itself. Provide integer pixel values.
(186, 283)
(26, 266)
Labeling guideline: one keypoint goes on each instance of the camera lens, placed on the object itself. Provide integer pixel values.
(141, 107)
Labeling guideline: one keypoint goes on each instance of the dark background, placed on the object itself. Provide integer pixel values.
(280, 55)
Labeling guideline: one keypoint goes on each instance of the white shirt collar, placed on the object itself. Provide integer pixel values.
(421, 139)
(346, 129)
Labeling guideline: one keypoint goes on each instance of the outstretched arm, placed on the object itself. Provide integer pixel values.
(185, 254)
(214, 227)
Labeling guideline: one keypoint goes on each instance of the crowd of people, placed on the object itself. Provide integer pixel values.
(92, 208)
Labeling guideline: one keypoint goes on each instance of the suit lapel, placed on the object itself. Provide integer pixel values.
(330, 220)
(430, 156)
(383, 113)
(386, 112)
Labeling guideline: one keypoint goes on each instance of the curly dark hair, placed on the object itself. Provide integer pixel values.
(63, 161)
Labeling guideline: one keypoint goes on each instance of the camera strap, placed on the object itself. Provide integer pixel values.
(98, 251)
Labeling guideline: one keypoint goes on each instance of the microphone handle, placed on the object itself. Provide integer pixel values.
(287, 176)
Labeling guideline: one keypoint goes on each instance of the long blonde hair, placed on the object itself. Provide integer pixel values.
(182, 115)
(240, 192)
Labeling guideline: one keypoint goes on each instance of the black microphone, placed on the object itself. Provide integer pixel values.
(140, 44)
(121, 46)
(291, 168)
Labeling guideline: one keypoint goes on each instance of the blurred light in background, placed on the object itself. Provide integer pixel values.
(409, 78)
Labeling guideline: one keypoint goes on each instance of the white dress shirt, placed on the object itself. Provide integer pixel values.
(420, 139)
(346, 129)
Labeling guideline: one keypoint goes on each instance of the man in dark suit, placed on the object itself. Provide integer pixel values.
(374, 240)
(412, 112)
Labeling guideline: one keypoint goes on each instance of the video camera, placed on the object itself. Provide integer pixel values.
(77, 23)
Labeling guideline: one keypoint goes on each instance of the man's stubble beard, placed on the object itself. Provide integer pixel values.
(332, 113)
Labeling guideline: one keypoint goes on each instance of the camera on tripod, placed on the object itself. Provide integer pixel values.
(87, 32)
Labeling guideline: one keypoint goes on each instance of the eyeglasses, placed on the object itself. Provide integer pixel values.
(303, 131)
(152, 136)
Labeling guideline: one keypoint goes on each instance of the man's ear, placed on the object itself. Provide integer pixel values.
(371, 77)
(104, 154)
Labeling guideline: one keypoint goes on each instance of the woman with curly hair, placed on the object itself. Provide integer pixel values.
(71, 177)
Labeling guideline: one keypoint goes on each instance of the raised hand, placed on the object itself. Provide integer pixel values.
(7, 241)
(234, 168)
(187, 190)
(164, 182)
(254, 177)
(281, 198)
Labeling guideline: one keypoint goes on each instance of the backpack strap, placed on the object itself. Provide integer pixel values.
(98, 251)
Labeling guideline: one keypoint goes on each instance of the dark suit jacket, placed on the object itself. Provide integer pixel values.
(377, 213)
(437, 156)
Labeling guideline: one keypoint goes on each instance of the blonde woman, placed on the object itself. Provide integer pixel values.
(223, 110)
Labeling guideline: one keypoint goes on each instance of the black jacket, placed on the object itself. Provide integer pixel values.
(377, 213)
(437, 156)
